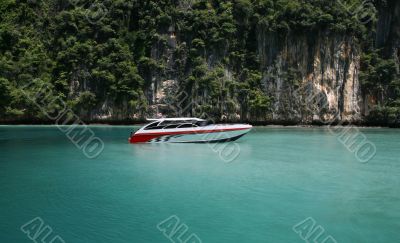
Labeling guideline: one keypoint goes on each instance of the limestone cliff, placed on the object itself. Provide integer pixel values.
(314, 78)
(310, 78)
(261, 61)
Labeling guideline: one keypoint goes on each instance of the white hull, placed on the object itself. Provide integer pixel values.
(214, 137)
(188, 130)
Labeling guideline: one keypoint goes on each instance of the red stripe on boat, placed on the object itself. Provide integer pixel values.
(141, 138)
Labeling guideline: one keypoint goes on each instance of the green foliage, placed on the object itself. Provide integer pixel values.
(5, 94)
(86, 101)
(379, 77)
(291, 15)
(377, 72)
(293, 76)
(116, 58)
(383, 115)
(259, 103)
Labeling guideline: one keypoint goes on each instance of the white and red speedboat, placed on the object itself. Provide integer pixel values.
(188, 130)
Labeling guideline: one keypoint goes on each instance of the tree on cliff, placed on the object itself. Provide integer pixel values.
(106, 57)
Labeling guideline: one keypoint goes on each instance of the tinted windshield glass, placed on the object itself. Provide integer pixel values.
(203, 123)
(171, 126)
(152, 126)
(175, 124)
(187, 125)
(166, 123)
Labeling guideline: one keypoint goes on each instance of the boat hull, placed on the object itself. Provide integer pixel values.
(215, 134)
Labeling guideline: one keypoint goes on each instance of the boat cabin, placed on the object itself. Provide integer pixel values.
(172, 123)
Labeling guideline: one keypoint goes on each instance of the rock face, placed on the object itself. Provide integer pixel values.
(282, 62)
(388, 29)
(311, 78)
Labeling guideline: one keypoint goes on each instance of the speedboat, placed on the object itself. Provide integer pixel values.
(187, 130)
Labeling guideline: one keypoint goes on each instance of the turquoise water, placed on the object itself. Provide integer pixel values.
(281, 177)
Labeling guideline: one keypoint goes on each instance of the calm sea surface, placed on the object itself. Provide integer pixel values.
(282, 176)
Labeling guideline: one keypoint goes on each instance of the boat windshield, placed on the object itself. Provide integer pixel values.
(170, 124)
(203, 123)
(151, 126)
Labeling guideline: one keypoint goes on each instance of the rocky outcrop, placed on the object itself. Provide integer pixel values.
(309, 78)
(312, 78)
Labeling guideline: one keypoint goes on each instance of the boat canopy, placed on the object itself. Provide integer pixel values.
(177, 119)
(169, 123)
